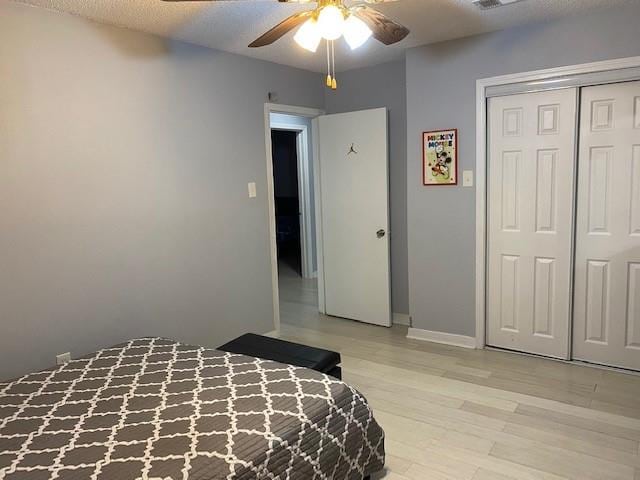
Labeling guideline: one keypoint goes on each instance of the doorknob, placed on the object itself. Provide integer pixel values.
(380, 233)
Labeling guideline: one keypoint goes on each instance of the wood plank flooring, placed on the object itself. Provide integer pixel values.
(457, 414)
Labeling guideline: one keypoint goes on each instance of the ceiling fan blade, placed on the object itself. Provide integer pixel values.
(184, 1)
(384, 29)
(281, 1)
(281, 29)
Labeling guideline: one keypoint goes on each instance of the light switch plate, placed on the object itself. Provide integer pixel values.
(467, 178)
(251, 186)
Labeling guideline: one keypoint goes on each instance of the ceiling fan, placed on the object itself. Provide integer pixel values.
(330, 20)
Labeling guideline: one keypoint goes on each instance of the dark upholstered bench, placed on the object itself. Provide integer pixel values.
(253, 345)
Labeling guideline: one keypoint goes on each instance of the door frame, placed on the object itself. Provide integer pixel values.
(304, 193)
(311, 113)
(537, 80)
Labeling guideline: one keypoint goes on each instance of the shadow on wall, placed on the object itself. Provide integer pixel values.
(199, 22)
(132, 44)
(125, 35)
(509, 41)
(141, 45)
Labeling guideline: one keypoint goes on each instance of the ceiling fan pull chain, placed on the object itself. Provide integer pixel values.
(329, 79)
(334, 83)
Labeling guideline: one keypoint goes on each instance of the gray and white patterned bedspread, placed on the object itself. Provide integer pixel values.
(156, 409)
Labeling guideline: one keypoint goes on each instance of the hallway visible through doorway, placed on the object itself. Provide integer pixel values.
(287, 200)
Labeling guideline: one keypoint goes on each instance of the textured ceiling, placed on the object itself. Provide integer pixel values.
(230, 25)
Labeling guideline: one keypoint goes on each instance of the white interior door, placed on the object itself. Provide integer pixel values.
(607, 272)
(530, 213)
(354, 187)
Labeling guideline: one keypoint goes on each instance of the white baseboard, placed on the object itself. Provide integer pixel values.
(272, 333)
(401, 319)
(442, 337)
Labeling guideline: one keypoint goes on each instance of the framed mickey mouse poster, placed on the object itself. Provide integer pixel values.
(440, 157)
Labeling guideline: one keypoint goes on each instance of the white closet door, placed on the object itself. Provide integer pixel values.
(531, 175)
(607, 274)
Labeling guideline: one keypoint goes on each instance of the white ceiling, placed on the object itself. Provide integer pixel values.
(231, 25)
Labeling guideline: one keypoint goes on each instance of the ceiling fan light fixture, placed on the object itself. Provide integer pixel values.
(308, 35)
(331, 22)
(355, 32)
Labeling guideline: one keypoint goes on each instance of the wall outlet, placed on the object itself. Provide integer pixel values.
(63, 358)
(251, 187)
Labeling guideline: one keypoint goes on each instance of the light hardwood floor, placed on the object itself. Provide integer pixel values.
(457, 414)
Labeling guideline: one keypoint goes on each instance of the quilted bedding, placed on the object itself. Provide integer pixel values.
(157, 409)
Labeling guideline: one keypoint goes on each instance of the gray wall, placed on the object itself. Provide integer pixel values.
(373, 87)
(119, 163)
(124, 163)
(441, 94)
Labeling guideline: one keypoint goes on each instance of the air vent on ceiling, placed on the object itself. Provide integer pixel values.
(489, 4)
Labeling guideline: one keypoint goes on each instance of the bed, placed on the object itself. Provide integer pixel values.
(154, 408)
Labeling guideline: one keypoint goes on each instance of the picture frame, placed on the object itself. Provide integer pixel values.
(440, 157)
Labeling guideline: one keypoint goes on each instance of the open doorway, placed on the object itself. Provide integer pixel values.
(347, 250)
(293, 192)
(284, 153)
(294, 204)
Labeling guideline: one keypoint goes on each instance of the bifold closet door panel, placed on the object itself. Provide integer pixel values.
(607, 266)
(531, 170)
